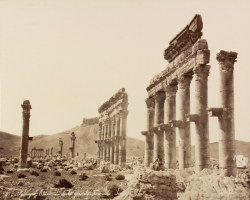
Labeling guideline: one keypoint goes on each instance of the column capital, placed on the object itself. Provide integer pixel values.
(123, 113)
(201, 71)
(159, 96)
(226, 59)
(184, 81)
(26, 109)
(170, 90)
(150, 102)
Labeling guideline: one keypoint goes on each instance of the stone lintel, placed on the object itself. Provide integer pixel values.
(177, 123)
(192, 118)
(215, 112)
(201, 57)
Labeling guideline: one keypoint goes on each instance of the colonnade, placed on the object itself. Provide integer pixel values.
(168, 114)
(112, 139)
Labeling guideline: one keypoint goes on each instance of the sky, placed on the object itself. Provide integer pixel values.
(69, 57)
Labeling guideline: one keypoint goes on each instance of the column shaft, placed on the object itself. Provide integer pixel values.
(182, 108)
(116, 144)
(123, 138)
(170, 133)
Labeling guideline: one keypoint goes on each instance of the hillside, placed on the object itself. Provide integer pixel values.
(85, 137)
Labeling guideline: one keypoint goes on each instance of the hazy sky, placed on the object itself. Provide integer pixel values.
(69, 57)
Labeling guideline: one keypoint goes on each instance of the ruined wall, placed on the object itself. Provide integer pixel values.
(89, 121)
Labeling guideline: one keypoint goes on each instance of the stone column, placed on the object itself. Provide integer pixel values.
(202, 154)
(51, 151)
(25, 133)
(123, 138)
(73, 138)
(101, 140)
(183, 131)
(159, 119)
(226, 121)
(170, 133)
(61, 146)
(116, 144)
(108, 141)
(149, 140)
(104, 143)
(112, 141)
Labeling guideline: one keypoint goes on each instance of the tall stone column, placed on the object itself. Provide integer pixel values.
(202, 154)
(170, 133)
(25, 133)
(183, 131)
(104, 143)
(112, 140)
(123, 138)
(226, 120)
(73, 138)
(149, 136)
(116, 144)
(159, 119)
(108, 141)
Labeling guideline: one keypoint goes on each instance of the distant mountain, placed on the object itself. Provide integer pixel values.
(85, 137)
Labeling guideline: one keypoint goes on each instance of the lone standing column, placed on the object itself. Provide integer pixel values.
(183, 131)
(149, 144)
(159, 119)
(226, 121)
(123, 138)
(202, 155)
(170, 133)
(73, 139)
(25, 133)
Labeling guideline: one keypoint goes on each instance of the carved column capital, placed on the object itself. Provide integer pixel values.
(201, 71)
(26, 109)
(226, 60)
(150, 102)
(184, 81)
(159, 97)
(170, 90)
(123, 113)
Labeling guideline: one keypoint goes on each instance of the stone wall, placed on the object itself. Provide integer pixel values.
(89, 121)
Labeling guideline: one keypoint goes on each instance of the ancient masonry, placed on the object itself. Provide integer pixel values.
(168, 104)
(113, 129)
(72, 148)
(37, 153)
(25, 133)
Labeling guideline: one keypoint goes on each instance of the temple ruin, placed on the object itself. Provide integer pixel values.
(25, 134)
(168, 104)
(37, 153)
(113, 129)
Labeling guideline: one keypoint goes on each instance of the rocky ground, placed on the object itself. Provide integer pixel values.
(98, 185)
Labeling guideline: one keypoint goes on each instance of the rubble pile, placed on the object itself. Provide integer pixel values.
(211, 184)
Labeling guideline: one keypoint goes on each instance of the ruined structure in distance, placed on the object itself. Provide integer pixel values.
(113, 129)
(168, 104)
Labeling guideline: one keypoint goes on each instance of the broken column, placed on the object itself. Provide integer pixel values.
(158, 120)
(170, 133)
(73, 139)
(25, 133)
(61, 146)
(149, 142)
(183, 130)
(225, 113)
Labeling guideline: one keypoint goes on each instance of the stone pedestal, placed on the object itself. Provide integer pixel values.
(170, 133)
(25, 133)
(202, 155)
(183, 108)
(226, 120)
(159, 119)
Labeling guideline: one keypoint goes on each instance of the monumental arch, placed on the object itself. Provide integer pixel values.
(168, 104)
(113, 129)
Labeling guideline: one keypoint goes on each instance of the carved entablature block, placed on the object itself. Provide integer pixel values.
(189, 35)
(115, 106)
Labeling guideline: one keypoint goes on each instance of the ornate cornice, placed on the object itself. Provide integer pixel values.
(188, 36)
(226, 60)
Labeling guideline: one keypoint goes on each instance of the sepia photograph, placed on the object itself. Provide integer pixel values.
(124, 99)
